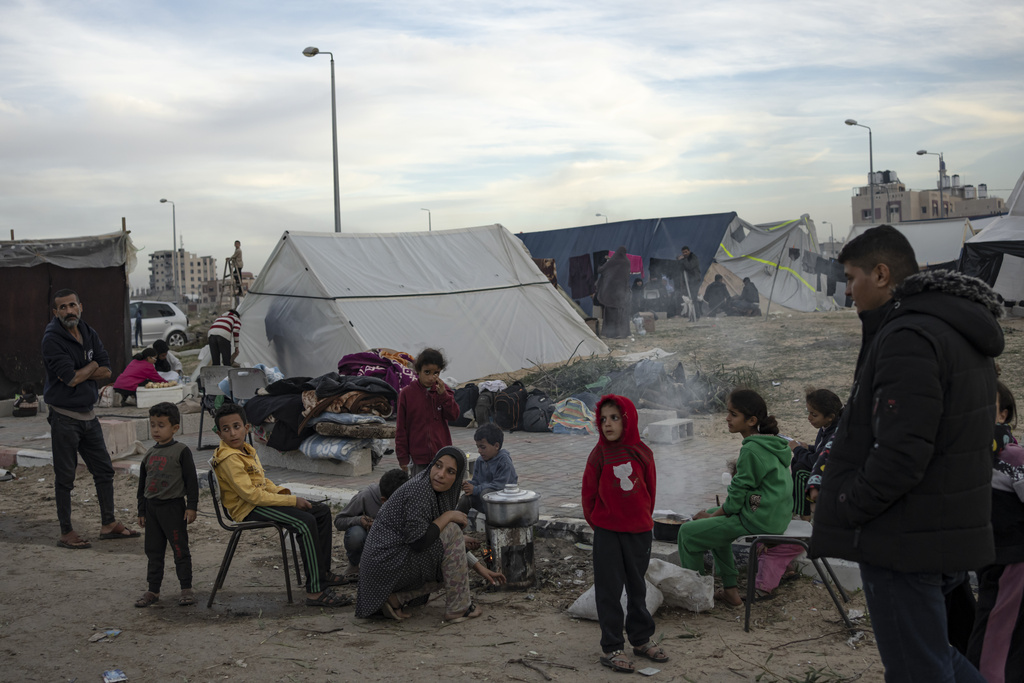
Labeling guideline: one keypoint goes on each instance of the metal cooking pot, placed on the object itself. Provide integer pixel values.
(512, 507)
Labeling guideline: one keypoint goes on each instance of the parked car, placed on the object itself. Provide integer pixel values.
(160, 320)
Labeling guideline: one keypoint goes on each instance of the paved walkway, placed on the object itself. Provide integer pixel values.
(689, 472)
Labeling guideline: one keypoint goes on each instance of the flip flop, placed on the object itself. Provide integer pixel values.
(618, 661)
(333, 579)
(468, 614)
(187, 598)
(720, 597)
(759, 595)
(329, 599)
(391, 613)
(118, 532)
(71, 545)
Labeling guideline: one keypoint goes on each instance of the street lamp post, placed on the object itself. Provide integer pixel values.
(430, 226)
(832, 239)
(313, 52)
(174, 250)
(871, 162)
(942, 175)
(601, 215)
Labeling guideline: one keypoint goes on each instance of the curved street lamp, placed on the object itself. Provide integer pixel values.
(313, 52)
(430, 226)
(601, 215)
(174, 250)
(942, 173)
(871, 162)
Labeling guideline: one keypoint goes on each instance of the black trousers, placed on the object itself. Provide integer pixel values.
(165, 524)
(220, 350)
(621, 559)
(70, 438)
(313, 528)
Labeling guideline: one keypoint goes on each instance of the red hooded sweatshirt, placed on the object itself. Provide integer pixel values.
(619, 481)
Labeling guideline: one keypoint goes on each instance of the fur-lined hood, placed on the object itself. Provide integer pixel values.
(965, 303)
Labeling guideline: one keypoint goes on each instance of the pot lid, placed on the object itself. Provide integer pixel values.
(511, 494)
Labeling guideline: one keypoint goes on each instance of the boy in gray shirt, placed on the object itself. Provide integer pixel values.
(356, 518)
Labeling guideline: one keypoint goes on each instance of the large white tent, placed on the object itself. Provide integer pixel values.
(475, 293)
(783, 260)
(935, 242)
(996, 254)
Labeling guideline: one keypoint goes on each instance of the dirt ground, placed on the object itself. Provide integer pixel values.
(52, 600)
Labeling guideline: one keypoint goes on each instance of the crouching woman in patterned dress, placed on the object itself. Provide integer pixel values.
(416, 546)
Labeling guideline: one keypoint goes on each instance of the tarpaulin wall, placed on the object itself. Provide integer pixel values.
(32, 270)
(659, 238)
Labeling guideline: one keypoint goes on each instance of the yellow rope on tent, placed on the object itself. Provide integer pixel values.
(772, 263)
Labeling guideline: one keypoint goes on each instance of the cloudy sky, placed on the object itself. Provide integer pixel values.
(535, 116)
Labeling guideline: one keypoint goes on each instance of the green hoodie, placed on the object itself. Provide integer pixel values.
(761, 493)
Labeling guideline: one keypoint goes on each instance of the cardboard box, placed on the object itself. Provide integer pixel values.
(147, 398)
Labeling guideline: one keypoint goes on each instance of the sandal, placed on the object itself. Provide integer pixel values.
(118, 532)
(392, 612)
(329, 598)
(148, 598)
(651, 651)
(333, 579)
(471, 613)
(187, 598)
(618, 661)
(75, 543)
(720, 597)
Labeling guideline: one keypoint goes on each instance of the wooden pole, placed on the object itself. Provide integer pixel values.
(124, 225)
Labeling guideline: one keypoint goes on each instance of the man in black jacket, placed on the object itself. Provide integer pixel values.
(906, 489)
(75, 360)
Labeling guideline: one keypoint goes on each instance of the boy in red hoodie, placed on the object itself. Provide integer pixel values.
(618, 502)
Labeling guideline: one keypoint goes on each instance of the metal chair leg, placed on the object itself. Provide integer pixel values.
(224, 564)
(832, 593)
(751, 580)
(284, 559)
(831, 573)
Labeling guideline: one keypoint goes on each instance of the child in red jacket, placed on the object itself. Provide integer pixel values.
(424, 409)
(618, 502)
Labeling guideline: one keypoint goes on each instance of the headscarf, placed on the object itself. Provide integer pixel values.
(388, 564)
(613, 284)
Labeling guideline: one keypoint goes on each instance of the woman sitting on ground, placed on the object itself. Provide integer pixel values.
(138, 372)
(416, 546)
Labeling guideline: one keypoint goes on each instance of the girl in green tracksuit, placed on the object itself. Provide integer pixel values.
(760, 497)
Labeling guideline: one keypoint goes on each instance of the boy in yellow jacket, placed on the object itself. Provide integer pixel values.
(249, 496)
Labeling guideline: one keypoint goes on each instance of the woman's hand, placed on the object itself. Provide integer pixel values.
(493, 578)
(447, 518)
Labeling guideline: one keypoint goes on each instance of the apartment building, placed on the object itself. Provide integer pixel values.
(193, 272)
(894, 203)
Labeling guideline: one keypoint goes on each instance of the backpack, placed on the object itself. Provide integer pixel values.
(466, 397)
(508, 407)
(484, 407)
(537, 412)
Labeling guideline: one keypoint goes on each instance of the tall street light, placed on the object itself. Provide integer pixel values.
(313, 52)
(430, 226)
(871, 161)
(174, 250)
(601, 215)
(942, 174)
(832, 237)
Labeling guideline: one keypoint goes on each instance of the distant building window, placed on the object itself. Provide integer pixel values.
(865, 214)
(924, 210)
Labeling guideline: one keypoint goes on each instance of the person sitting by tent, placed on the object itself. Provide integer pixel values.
(613, 293)
(165, 360)
(138, 372)
(717, 296)
(748, 303)
(637, 294)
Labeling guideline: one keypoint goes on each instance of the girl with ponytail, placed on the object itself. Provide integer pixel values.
(760, 497)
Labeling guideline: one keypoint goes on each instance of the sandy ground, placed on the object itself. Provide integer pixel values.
(53, 600)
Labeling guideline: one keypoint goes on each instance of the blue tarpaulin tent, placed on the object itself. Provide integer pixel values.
(657, 238)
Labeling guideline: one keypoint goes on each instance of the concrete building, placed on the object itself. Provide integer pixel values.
(894, 203)
(193, 271)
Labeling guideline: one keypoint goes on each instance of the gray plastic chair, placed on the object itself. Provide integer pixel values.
(245, 382)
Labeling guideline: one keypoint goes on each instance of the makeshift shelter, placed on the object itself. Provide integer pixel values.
(578, 252)
(474, 292)
(996, 254)
(31, 271)
(936, 243)
(784, 261)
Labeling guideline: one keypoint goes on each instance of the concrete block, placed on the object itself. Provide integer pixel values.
(569, 528)
(32, 458)
(847, 572)
(646, 416)
(360, 462)
(662, 550)
(7, 407)
(670, 431)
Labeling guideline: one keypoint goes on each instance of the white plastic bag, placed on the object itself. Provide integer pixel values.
(585, 606)
(682, 587)
(106, 397)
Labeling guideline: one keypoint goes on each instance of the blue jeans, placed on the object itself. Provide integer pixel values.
(908, 615)
(355, 537)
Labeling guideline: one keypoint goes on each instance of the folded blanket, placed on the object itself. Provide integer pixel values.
(356, 431)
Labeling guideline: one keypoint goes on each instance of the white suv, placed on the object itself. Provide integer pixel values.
(160, 320)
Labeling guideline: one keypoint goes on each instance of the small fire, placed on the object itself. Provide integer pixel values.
(488, 557)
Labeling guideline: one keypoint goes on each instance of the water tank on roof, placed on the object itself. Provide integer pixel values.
(945, 182)
(968, 191)
(982, 191)
(956, 180)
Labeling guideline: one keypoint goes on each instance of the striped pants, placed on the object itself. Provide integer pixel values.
(313, 530)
